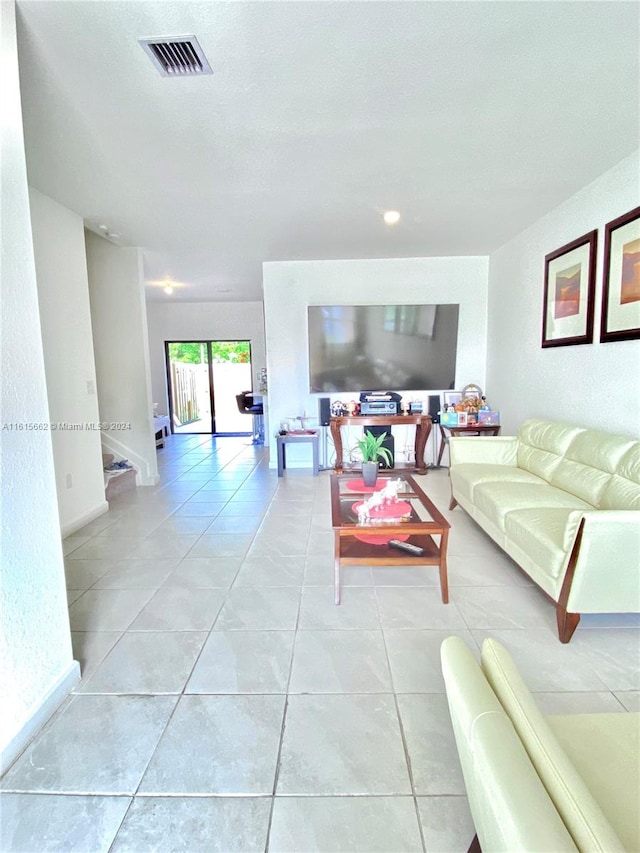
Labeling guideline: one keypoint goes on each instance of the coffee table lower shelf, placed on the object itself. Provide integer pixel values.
(350, 551)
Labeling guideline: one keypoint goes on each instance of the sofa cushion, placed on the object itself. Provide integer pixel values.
(623, 489)
(604, 749)
(497, 499)
(501, 450)
(588, 464)
(577, 806)
(545, 534)
(542, 444)
(466, 476)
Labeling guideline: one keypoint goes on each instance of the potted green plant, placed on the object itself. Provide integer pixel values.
(371, 448)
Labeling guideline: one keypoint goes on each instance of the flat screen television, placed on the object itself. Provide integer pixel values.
(382, 347)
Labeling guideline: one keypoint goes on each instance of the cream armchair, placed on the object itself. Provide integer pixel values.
(537, 783)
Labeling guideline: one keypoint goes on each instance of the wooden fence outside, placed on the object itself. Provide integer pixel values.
(185, 392)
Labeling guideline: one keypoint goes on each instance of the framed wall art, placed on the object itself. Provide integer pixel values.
(451, 398)
(569, 287)
(621, 279)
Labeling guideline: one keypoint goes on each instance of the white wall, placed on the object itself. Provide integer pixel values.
(289, 287)
(202, 321)
(121, 347)
(595, 385)
(63, 296)
(36, 664)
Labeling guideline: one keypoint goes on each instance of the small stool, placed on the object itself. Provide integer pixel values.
(295, 437)
(246, 406)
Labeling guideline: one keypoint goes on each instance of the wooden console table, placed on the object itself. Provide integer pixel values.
(422, 424)
(470, 429)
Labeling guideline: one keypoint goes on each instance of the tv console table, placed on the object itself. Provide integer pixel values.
(422, 425)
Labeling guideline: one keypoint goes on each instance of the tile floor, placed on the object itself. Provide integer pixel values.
(226, 704)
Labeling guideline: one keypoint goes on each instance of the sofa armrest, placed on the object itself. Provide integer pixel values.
(510, 806)
(606, 556)
(514, 810)
(491, 449)
(567, 788)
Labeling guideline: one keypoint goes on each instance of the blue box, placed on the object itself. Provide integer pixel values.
(491, 418)
(449, 419)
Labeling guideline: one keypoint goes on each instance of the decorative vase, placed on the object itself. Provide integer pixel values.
(369, 473)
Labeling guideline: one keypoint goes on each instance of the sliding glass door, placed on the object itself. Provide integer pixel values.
(204, 378)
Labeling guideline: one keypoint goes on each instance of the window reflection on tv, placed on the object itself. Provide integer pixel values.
(382, 347)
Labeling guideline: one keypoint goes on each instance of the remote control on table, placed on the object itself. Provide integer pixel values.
(406, 546)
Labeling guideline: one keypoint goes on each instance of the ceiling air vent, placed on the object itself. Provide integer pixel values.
(176, 56)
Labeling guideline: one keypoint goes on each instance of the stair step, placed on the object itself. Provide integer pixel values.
(118, 482)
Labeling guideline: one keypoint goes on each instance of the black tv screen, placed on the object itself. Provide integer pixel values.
(382, 347)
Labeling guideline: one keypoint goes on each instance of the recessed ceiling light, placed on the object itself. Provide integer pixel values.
(168, 284)
(105, 231)
(391, 217)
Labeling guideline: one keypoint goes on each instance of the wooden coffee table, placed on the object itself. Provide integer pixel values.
(420, 523)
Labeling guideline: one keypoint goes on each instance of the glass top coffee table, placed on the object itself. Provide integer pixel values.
(413, 519)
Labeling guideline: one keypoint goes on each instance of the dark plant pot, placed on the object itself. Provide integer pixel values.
(369, 473)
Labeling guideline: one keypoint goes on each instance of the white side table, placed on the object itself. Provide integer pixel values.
(297, 437)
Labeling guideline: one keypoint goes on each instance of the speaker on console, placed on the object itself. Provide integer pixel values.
(324, 410)
(389, 443)
(434, 408)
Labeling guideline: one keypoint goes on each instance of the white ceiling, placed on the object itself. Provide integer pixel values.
(471, 118)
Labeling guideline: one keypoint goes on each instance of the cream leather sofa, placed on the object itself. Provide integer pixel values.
(536, 783)
(564, 503)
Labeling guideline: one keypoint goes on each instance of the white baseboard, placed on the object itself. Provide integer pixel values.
(149, 481)
(38, 715)
(71, 526)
